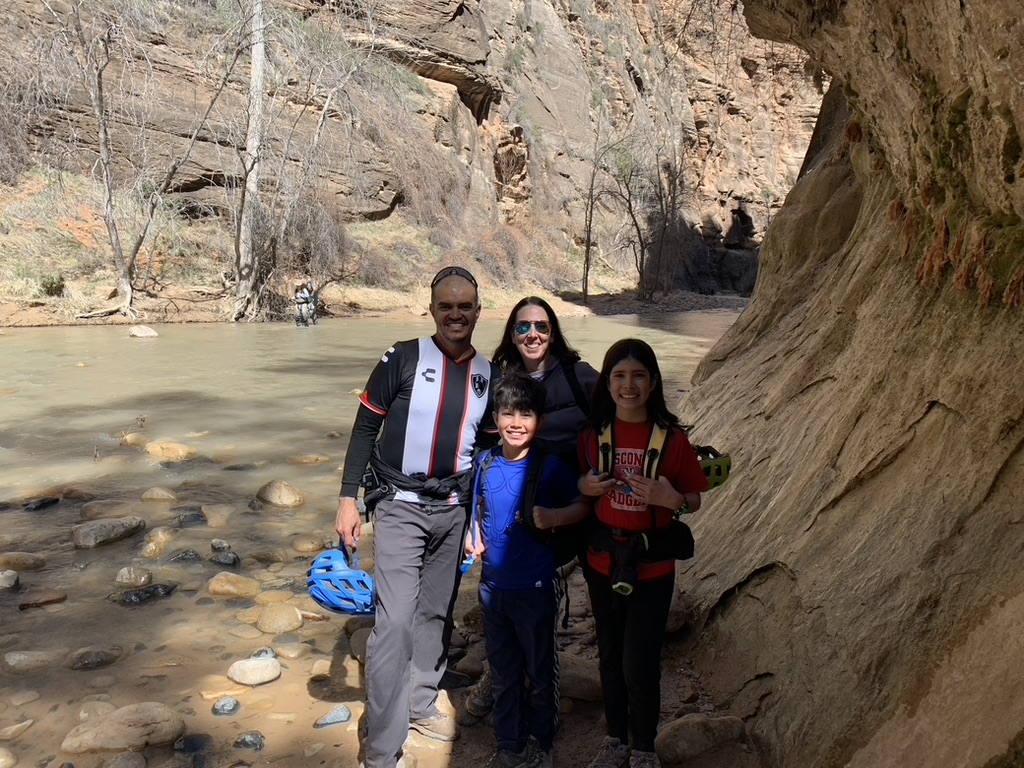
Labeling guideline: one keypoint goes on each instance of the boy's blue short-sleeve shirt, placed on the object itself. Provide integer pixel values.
(513, 559)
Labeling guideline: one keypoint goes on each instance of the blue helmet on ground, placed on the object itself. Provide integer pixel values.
(337, 586)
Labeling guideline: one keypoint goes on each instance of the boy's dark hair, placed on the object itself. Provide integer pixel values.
(519, 392)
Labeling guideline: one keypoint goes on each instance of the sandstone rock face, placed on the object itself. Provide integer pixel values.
(858, 578)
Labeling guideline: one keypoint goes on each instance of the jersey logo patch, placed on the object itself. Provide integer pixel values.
(479, 384)
(428, 374)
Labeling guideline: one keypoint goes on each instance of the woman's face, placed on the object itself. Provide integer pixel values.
(531, 334)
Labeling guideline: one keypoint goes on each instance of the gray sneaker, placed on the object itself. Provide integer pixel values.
(612, 754)
(638, 759)
(439, 727)
(542, 759)
(506, 758)
(479, 700)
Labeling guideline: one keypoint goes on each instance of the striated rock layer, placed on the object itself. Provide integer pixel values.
(857, 589)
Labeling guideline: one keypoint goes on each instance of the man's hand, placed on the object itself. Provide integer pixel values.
(348, 523)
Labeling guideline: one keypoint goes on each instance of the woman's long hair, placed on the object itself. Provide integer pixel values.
(603, 411)
(506, 354)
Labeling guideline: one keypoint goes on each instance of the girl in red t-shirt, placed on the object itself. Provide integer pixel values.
(630, 622)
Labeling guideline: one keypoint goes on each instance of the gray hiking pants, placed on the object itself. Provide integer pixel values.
(417, 554)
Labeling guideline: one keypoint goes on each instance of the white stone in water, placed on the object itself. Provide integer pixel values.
(233, 585)
(255, 671)
(278, 618)
(90, 710)
(169, 450)
(159, 493)
(7, 758)
(142, 332)
(292, 650)
(308, 544)
(12, 732)
(28, 661)
(132, 576)
(9, 581)
(280, 494)
(134, 727)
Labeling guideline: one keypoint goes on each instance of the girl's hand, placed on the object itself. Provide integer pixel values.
(593, 484)
(659, 493)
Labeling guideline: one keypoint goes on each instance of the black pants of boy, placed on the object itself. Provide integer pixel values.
(519, 628)
(630, 633)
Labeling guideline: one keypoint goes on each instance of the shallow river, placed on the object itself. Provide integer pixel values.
(256, 403)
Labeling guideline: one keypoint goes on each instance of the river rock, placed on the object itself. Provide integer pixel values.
(29, 661)
(684, 739)
(255, 671)
(11, 732)
(132, 597)
(233, 585)
(308, 544)
(126, 760)
(280, 494)
(23, 697)
(35, 598)
(21, 561)
(169, 450)
(578, 678)
(142, 332)
(9, 581)
(278, 618)
(226, 706)
(219, 545)
(339, 714)
(136, 439)
(94, 657)
(41, 503)
(357, 644)
(134, 727)
(251, 740)
(309, 458)
(132, 576)
(90, 710)
(7, 758)
(99, 532)
(99, 509)
(159, 493)
(226, 559)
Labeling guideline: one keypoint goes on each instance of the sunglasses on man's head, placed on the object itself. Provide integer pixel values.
(523, 327)
(465, 274)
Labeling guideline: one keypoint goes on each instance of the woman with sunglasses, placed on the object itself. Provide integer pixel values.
(533, 343)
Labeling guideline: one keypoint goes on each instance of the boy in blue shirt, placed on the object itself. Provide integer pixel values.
(519, 589)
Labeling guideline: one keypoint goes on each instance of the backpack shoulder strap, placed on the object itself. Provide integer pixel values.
(655, 451)
(534, 473)
(577, 389)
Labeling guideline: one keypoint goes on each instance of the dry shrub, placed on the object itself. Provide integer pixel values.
(503, 252)
(897, 210)
(911, 231)
(975, 256)
(315, 241)
(933, 265)
(1013, 296)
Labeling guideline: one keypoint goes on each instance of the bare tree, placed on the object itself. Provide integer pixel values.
(93, 45)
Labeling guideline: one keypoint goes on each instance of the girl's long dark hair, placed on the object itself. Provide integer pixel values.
(506, 354)
(603, 410)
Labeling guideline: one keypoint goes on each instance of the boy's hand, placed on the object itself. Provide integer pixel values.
(546, 518)
(471, 548)
(348, 523)
(593, 484)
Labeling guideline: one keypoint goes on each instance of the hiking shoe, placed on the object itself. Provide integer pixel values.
(542, 759)
(439, 727)
(506, 758)
(612, 754)
(638, 759)
(479, 699)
